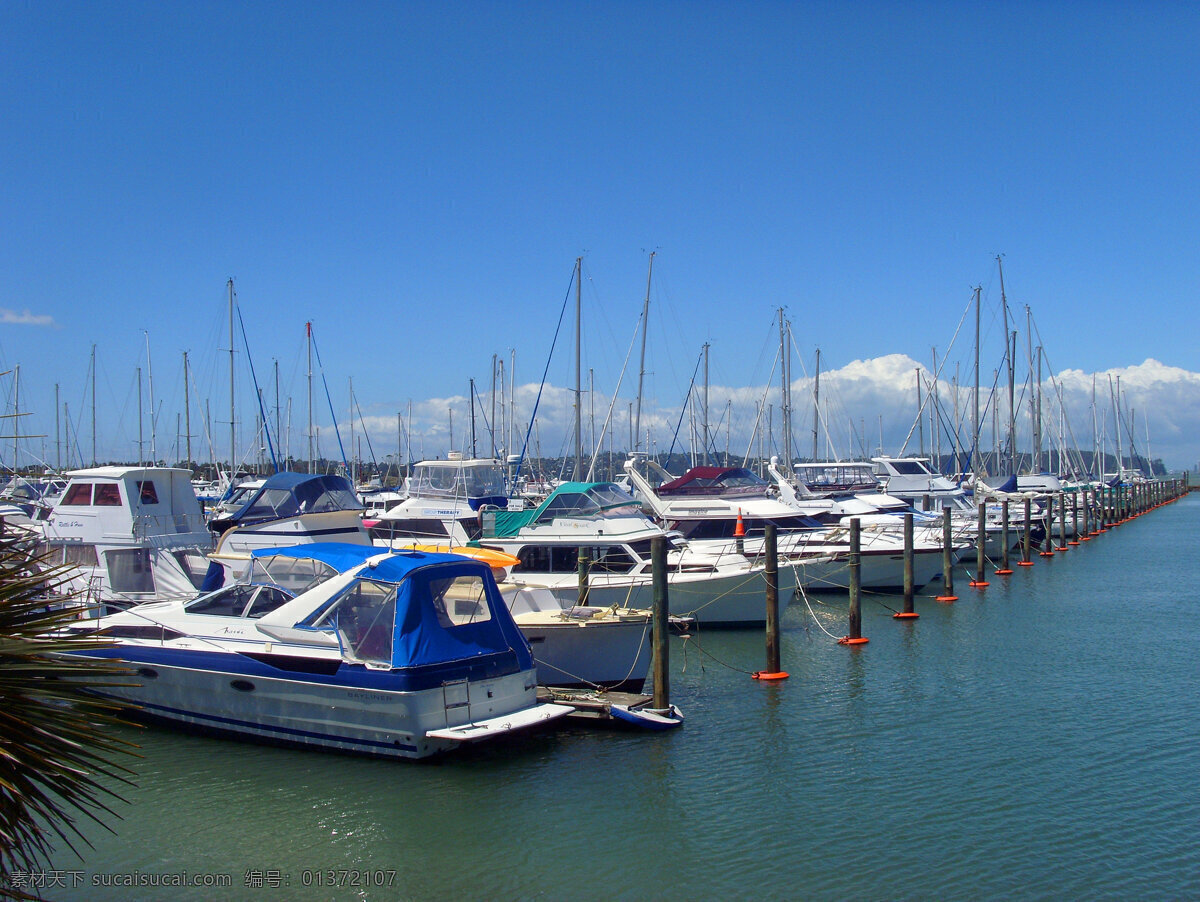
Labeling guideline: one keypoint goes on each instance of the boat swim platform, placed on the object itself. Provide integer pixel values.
(596, 707)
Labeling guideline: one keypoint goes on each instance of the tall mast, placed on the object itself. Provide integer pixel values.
(706, 460)
(816, 405)
(93, 405)
(637, 424)
(353, 456)
(17, 415)
(578, 374)
(141, 457)
(232, 417)
(492, 425)
(786, 394)
(187, 409)
(153, 418)
(1037, 414)
(278, 434)
(308, 335)
(975, 418)
(472, 402)
(58, 432)
(1012, 376)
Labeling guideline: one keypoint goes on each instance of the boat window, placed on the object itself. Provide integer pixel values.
(76, 553)
(534, 558)
(228, 602)
(107, 495)
(910, 467)
(193, 564)
(364, 617)
(146, 491)
(613, 559)
(460, 600)
(78, 493)
(268, 599)
(294, 575)
(273, 503)
(413, 527)
(129, 569)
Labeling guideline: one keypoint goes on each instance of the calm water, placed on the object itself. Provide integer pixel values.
(1039, 739)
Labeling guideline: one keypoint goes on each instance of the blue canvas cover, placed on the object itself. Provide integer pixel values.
(419, 638)
(421, 635)
(289, 494)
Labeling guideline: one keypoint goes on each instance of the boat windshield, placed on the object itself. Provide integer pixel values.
(363, 617)
(240, 600)
(603, 500)
(450, 481)
(294, 574)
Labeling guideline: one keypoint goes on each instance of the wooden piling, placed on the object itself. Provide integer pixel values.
(908, 613)
(980, 552)
(1005, 569)
(1026, 539)
(585, 566)
(855, 636)
(1062, 521)
(947, 558)
(658, 577)
(1074, 518)
(771, 573)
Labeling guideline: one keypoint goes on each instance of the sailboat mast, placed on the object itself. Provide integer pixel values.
(153, 418)
(975, 416)
(637, 425)
(17, 415)
(308, 336)
(785, 393)
(817, 405)
(141, 457)
(232, 416)
(706, 460)
(187, 409)
(1010, 351)
(93, 405)
(578, 374)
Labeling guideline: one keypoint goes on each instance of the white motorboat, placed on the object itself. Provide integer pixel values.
(134, 534)
(334, 646)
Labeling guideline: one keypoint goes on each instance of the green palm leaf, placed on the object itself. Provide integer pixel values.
(57, 751)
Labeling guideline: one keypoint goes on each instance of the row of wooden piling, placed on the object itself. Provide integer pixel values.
(1103, 508)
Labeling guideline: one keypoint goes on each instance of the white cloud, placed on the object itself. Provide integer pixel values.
(25, 318)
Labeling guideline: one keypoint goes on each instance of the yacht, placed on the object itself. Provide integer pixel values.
(333, 646)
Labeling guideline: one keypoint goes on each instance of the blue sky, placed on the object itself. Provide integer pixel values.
(418, 179)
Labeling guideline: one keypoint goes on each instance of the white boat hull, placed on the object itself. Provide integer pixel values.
(225, 696)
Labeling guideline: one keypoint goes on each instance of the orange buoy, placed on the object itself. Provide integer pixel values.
(760, 675)
(977, 584)
(1025, 563)
(905, 615)
(846, 640)
(946, 598)
(1004, 572)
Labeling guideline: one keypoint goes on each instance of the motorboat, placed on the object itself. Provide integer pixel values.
(603, 526)
(132, 534)
(333, 646)
(444, 502)
(286, 509)
(726, 510)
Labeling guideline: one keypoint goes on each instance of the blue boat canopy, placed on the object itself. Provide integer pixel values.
(290, 495)
(410, 609)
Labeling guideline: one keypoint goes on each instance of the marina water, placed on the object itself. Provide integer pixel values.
(1038, 739)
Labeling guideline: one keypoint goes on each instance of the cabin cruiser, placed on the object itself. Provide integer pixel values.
(709, 506)
(603, 525)
(333, 646)
(287, 509)
(133, 534)
(444, 502)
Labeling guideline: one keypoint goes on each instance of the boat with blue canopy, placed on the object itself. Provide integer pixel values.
(336, 646)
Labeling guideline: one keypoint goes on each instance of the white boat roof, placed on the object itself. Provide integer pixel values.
(120, 472)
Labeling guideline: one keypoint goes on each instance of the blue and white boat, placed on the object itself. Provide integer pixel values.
(334, 646)
(287, 509)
